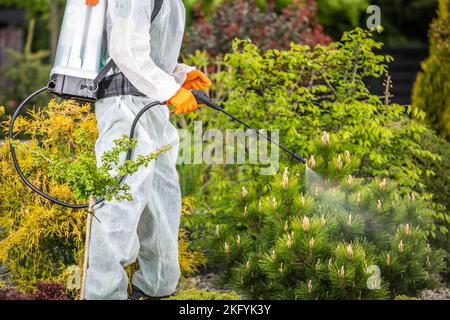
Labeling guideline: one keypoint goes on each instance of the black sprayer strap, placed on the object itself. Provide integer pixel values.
(111, 64)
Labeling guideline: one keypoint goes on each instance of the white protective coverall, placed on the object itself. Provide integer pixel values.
(146, 228)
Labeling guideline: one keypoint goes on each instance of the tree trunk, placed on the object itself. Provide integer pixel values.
(54, 28)
(30, 34)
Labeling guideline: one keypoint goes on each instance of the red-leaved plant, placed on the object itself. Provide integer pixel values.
(44, 291)
(268, 29)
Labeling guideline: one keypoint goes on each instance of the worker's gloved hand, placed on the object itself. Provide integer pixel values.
(197, 80)
(183, 102)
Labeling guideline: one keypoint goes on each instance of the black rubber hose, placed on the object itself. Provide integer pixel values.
(42, 193)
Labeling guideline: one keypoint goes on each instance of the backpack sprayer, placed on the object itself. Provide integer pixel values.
(80, 73)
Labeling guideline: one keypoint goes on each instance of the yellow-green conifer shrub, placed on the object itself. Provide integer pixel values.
(432, 89)
(40, 241)
(190, 260)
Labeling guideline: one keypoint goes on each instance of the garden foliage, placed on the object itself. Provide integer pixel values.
(438, 184)
(306, 237)
(304, 91)
(56, 291)
(40, 241)
(194, 294)
(295, 236)
(25, 72)
(432, 88)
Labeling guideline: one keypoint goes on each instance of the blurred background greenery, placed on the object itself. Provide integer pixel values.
(29, 34)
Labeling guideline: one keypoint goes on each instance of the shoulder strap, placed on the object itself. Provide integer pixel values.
(156, 9)
(111, 64)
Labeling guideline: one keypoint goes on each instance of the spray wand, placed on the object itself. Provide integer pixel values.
(202, 98)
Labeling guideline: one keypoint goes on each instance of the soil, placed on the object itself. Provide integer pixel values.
(437, 294)
(208, 282)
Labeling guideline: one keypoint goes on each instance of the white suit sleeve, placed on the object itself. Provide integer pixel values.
(130, 48)
(181, 72)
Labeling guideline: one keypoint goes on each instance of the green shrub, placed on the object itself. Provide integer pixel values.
(195, 294)
(307, 237)
(25, 72)
(438, 183)
(304, 91)
(432, 88)
(404, 298)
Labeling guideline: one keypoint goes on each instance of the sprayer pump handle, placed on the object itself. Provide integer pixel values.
(202, 98)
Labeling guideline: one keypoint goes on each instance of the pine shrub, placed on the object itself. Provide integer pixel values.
(302, 236)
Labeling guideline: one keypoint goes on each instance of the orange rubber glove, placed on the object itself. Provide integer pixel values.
(197, 80)
(183, 102)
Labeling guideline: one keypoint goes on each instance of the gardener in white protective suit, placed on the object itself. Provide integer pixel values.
(146, 228)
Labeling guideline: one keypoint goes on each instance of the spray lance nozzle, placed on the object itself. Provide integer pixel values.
(202, 98)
